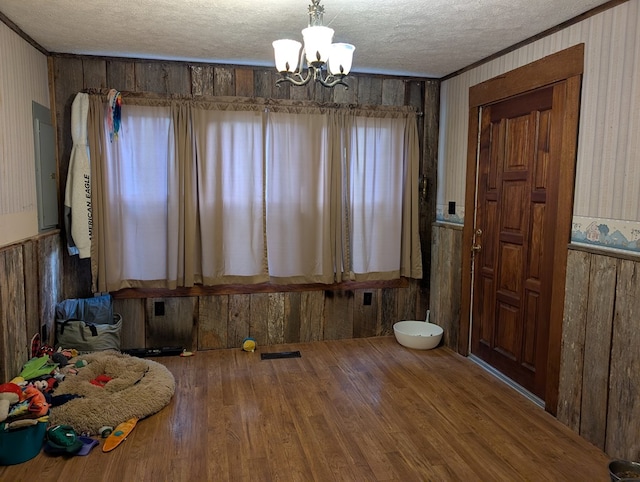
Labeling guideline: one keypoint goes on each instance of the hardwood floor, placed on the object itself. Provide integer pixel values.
(349, 410)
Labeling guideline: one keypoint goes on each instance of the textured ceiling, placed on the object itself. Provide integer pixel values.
(427, 38)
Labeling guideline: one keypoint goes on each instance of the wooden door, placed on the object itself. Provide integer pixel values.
(514, 236)
(563, 72)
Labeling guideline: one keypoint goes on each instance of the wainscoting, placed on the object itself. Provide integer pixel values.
(224, 320)
(600, 368)
(446, 272)
(30, 288)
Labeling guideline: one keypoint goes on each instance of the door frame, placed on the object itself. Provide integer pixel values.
(566, 65)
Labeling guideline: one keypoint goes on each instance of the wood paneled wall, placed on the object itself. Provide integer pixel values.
(446, 272)
(30, 288)
(223, 321)
(220, 321)
(600, 371)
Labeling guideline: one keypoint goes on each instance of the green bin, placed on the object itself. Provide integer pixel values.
(21, 444)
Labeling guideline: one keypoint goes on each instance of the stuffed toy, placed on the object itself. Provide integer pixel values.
(41, 385)
(60, 359)
(37, 367)
(20, 381)
(38, 405)
(11, 392)
(46, 386)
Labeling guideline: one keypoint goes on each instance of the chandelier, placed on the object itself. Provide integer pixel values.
(327, 63)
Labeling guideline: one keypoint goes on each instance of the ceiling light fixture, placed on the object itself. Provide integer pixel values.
(327, 63)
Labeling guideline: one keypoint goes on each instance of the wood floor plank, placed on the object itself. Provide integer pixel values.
(347, 410)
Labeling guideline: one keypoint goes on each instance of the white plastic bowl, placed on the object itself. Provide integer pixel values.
(419, 335)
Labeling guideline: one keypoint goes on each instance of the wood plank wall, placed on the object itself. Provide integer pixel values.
(446, 272)
(600, 370)
(220, 321)
(30, 287)
(223, 321)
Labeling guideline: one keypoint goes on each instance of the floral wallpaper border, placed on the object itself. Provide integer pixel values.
(612, 234)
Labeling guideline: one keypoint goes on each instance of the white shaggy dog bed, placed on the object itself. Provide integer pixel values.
(138, 388)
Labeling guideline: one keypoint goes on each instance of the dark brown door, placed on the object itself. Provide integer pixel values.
(513, 239)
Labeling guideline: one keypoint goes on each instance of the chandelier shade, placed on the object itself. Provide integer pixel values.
(340, 58)
(326, 63)
(287, 53)
(317, 43)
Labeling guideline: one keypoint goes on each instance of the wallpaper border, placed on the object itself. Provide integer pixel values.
(615, 234)
(611, 234)
(443, 216)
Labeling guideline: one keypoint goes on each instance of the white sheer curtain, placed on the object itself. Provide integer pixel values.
(376, 182)
(298, 198)
(136, 173)
(230, 157)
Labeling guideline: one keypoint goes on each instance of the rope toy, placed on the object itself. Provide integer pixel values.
(114, 113)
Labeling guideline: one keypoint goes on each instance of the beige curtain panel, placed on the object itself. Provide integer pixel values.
(251, 191)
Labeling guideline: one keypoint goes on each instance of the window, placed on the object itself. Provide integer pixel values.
(138, 167)
(376, 185)
(298, 198)
(230, 179)
(198, 194)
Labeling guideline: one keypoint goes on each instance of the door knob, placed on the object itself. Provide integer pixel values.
(476, 247)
